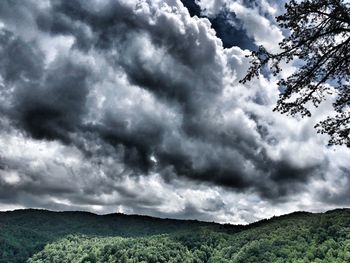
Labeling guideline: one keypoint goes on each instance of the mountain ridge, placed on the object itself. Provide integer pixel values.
(41, 234)
(294, 213)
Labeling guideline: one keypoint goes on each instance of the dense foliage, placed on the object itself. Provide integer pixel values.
(320, 38)
(24, 232)
(298, 237)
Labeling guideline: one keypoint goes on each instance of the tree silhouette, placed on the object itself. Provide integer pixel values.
(319, 38)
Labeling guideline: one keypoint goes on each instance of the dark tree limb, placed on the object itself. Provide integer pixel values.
(319, 36)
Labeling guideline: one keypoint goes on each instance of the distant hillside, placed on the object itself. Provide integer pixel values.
(46, 236)
(23, 232)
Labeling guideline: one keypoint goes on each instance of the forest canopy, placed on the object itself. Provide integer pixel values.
(45, 237)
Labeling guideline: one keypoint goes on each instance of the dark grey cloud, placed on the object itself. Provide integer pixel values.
(46, 102)
(135, 105)
(19, 59)
(53, 108)
(337, 192)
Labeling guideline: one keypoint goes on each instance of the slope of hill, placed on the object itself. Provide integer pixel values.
(23, 232)
(45, 236)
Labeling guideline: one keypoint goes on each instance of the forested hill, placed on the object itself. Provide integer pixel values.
(62, 223)
(43, 236)
(25, 231)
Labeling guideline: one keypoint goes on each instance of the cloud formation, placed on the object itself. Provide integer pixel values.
(136, 107)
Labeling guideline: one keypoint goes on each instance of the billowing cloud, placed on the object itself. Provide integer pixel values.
(137, 107)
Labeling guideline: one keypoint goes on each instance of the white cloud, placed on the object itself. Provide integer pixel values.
(163, 127)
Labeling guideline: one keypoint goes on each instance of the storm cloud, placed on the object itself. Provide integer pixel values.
(136, 106)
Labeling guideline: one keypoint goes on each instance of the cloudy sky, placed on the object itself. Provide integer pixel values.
(135, 106)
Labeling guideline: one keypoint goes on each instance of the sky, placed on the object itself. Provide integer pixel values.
(135, 106)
